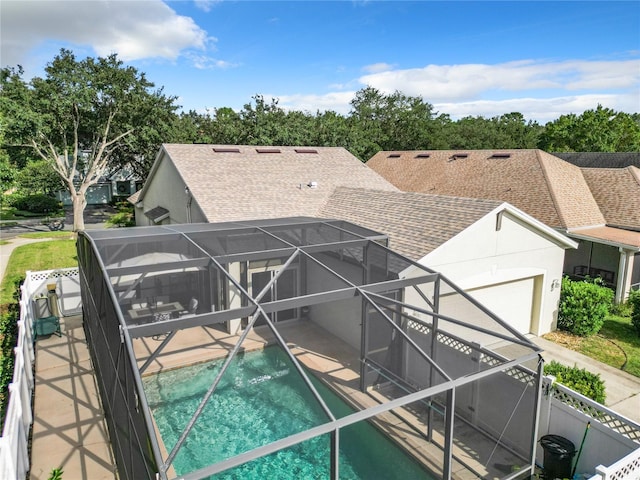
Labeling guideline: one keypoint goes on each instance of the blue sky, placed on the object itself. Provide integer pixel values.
(542, 59)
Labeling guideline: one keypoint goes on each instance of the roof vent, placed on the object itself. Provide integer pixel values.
(312, 184)
(422, 155)
(305, 150)
(456, 156)
(226, 150)
(268, 150)
(393, 155)
(500, 155)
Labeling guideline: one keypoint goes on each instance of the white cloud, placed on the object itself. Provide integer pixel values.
(451, 83)
(205, 62)
(542, 110)
(132, 29)
(337, 101)
(206, 5)
(377, 67)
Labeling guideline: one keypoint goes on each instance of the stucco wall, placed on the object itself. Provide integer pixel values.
(482, 256)
(166, 189)
(342, 318)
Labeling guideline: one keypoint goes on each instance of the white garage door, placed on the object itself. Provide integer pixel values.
(511, 301)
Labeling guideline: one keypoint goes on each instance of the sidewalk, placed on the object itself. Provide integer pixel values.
(621, 388)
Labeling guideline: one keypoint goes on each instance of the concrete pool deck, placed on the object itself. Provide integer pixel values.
(69, 429)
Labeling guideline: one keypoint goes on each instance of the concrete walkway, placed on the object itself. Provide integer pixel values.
(69, 430)
(622, 389)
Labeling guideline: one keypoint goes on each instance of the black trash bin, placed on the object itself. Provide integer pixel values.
(558, 456)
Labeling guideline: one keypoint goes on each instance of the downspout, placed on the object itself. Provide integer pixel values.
(189, 200)
(623, 272)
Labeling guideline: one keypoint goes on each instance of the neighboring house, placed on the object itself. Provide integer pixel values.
(116, 186)
(501, 256)
(546, 187)
(495, 251)
(601, 159)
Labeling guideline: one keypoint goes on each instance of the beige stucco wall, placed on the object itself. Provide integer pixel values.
(167, 189)
(482, 256)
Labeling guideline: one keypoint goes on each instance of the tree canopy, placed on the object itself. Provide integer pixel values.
(84, 118)
(89, 117)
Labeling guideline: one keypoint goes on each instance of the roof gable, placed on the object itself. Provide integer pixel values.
(239, 182)
(540, 184)
(617, 192)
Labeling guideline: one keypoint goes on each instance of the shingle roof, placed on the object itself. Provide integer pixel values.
(416, 223)
(601, 159)
(616, 236)
(240, 183)
(545, 187)
(621, 207)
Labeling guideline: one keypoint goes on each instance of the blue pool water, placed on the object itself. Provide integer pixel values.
(260, 399)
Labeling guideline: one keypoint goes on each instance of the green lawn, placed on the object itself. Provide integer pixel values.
(617, 344)
(37, 256)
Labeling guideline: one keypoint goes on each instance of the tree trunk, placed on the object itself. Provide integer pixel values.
(79, 204)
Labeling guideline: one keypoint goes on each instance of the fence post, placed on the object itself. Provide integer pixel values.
(603, 472)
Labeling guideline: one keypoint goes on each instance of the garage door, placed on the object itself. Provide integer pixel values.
(511, 301)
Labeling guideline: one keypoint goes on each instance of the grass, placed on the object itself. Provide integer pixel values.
(37, 256)
(10, 213)
(617, 344)
(59, 235)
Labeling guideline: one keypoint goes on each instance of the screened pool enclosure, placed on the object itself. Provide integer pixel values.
(294, 348)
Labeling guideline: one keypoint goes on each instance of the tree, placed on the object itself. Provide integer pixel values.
(38, 177)
(391, 122)
(599, 130)
(85, 117)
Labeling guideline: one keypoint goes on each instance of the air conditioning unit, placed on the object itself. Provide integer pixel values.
(123, 188)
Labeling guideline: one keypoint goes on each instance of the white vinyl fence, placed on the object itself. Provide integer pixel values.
(14, 454)
(611, 438)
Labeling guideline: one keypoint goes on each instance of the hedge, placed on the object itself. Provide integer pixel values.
(582, 381)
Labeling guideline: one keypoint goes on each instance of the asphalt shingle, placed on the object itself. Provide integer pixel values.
(534, 181)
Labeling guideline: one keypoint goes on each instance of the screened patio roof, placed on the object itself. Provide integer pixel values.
(403, 301)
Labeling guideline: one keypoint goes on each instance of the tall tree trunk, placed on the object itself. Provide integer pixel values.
(79, 204)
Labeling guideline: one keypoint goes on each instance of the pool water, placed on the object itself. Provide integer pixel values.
(260, 399)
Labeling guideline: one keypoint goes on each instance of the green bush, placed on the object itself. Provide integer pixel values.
(121, 219)
(124, 217)
(634, 302)
(584, 305)
(8, 333)
(38, 203)
(588, 384)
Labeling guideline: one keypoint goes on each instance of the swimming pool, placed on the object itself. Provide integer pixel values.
(260, 399)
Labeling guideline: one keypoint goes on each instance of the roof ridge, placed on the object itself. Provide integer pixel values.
(635, 173)
(551, 186)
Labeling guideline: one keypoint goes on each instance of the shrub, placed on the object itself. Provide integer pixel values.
(634, 302)
(123, 218)
(584, 306)
(38, 203)
(588, 384)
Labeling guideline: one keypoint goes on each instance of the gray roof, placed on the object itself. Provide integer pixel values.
(601, 159)
(233, 182)
(416, 223)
